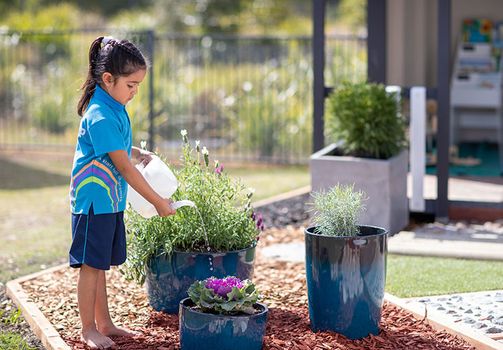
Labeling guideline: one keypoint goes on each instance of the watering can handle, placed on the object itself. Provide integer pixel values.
(182, 203)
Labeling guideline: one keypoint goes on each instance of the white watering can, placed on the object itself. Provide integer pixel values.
(160, 177)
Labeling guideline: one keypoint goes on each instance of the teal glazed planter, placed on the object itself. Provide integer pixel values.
(200, 331)
(168, 277)
(345, 281)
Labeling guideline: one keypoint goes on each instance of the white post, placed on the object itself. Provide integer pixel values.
(417, 146)
(395, 89)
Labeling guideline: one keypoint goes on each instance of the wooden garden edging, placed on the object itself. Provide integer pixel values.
(39, 324)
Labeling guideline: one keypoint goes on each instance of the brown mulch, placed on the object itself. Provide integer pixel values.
(283, 287)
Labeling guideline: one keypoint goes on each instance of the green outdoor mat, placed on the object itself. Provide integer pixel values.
(486, 152)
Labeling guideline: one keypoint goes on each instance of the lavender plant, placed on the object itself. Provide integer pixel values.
(227, 296)
(336, 212)
(223, 219)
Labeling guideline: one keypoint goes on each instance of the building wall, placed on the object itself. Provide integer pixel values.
(395, 42)
(412, 36)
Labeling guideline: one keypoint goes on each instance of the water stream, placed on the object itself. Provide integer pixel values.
(193, 205)
(188, 203)
(204, 229)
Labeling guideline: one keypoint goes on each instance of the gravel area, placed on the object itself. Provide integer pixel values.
(293, 211)
(482, 311)
(10, 322)
(283, 287)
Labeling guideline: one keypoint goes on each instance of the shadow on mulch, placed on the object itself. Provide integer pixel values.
(289, 329)
(160, 333)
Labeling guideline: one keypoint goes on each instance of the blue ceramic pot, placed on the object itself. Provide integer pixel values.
(199, 330)
(345, 281)
(168, 277)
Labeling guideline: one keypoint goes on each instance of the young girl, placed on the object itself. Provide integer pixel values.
(101, 171)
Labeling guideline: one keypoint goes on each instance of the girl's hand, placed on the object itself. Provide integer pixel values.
(144, 157)
(164, 208)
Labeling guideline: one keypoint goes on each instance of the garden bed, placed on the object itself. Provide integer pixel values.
(284, 290)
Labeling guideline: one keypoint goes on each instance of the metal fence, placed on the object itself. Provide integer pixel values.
(246, 98)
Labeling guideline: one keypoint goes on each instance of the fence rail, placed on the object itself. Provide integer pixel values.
(247, 98)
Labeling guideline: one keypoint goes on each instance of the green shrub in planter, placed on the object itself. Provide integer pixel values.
(365, 118)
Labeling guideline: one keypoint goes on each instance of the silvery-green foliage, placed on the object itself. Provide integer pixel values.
(336, 212)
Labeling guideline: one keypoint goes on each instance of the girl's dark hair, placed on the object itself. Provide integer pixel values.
(119, 58)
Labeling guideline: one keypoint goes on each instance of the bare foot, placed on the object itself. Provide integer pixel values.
(113, 330)
(96, 340)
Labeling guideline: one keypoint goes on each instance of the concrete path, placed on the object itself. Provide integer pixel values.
(456, 240)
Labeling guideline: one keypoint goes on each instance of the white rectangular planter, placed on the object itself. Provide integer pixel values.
(383, 181)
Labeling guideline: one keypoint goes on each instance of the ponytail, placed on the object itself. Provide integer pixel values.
(90, 84)
(106, 54)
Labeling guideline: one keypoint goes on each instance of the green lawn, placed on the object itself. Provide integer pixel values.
(270, 181)
(35, 230)
(34, 212)
(410, 276)
(13, 341)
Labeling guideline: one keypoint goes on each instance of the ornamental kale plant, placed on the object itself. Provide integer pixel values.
(222, 221)
(336, 212)
(227, 296)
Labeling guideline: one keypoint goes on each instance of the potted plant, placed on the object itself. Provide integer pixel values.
(345, 265)
(222, 314)
(368, 150)
(216, 238)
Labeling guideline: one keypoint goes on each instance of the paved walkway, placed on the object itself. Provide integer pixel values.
(457, 240)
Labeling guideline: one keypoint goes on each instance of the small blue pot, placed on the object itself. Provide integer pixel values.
(345, 281)
(199, 330)
(168, 277)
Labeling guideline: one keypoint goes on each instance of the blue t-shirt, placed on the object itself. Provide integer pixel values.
(104, 128)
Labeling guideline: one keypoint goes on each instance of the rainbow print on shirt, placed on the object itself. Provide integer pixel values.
(97, 173)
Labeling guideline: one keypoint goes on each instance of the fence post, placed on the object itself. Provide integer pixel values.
(151, 112)
(319, 9)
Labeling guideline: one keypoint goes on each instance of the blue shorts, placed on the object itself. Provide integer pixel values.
(98, 241)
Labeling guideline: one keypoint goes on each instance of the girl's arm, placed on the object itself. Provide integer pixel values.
(134, 178)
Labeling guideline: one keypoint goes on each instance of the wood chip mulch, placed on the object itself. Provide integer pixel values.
(283, 287)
